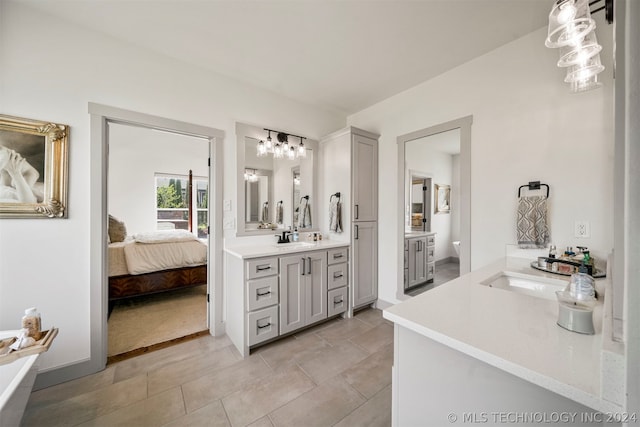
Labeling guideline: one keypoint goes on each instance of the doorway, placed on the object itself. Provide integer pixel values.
(157, 186)
(101, 117)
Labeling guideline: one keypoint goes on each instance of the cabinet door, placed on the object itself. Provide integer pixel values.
(365, 263)
(316, 287)
(365, 179)
(292, 292)
(417, 261)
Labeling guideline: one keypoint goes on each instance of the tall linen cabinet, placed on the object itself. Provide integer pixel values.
(349, 164)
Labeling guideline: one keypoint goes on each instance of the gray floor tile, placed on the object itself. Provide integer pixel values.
(323, 406)
(212, 415)
(330, 362)
(376, 412)
(375, 338)
(259, 399)
(373, 373)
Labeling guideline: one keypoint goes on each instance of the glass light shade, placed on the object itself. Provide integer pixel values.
(569, 22)
(278, 151)
(262, 149)
(579, 52)
(269, 144)
(585, 70)
(291, 153)
(302, 152)
(585, 85)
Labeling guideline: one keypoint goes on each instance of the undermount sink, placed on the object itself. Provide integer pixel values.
(541, 287)
(293, 245)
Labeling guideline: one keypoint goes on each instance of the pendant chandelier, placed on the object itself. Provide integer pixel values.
(282, 148)
(572, 31)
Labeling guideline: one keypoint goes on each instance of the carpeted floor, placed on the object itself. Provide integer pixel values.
(144, 321)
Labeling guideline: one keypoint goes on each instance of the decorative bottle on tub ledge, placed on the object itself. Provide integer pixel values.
(31, 322)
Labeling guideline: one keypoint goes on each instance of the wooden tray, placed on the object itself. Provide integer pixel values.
(7, 355)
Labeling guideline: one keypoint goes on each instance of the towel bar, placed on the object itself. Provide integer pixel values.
(533, 185)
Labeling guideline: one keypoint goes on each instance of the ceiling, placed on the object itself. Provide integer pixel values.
(339, 55)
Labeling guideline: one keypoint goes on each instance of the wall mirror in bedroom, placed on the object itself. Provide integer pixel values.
(439, 156)
(275, 193)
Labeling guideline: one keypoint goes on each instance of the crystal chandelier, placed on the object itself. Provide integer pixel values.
(281, 148)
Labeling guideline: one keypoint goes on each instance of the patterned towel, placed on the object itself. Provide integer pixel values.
(335, 216)
(279, 213)
(305, 216)
(265, 212)
(532, 228)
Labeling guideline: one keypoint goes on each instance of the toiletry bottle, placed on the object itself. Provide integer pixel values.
(295, 234)
(315, 237)
(31, 322)
(552, 251)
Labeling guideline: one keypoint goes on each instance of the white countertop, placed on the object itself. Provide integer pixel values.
(275, 249)
(511, 331)
(12, 374)
(408, 234)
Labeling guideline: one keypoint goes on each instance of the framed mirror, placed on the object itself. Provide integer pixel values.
(274, 193)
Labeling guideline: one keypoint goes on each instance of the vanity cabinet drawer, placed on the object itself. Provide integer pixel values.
(262, 325)
(431, 270)
(337, 301)
(431, 250)
(262, 267)
(335, 256)
(431, 240)
(337, 275)
(262, 293)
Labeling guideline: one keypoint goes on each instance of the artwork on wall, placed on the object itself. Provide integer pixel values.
(33, 168)
(443, 198)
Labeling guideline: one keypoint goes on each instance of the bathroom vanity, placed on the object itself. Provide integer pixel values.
(489, 351)
(419, 259)
(277, 289)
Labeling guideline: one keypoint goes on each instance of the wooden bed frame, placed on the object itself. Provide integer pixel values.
(129, 285)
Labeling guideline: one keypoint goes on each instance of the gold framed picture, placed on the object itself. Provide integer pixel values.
(442, 195)
(33, 168)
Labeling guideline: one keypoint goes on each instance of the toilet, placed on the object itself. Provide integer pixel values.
(456, 246)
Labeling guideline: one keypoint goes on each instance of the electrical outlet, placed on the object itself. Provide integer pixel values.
(582, 229)
(226, 205)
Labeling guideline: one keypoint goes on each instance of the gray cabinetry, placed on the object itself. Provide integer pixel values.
(365, 178)
(419, 261)
(365, 270)
(303, 290)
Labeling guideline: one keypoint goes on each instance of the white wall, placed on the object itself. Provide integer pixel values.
(526, 126)
(135, 156)
(50, 70)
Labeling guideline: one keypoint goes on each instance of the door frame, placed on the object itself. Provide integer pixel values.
(101, 116)
(464, 124)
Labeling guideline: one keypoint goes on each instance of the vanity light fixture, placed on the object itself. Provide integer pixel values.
(250, 175)
(572, 30)
(282, 148)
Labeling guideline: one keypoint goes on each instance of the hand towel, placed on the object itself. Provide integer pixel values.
(305, 216)
(279, 213)
(265, 212)
(335, 216)
(532, 227)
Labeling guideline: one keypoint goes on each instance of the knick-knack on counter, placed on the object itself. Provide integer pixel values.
(31, 322)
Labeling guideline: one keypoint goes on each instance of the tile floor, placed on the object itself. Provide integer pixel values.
(444, 273)
(335, 374)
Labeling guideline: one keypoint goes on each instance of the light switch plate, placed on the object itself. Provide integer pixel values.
(582, 229)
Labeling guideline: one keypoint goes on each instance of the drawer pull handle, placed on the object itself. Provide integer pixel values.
(264, 326)
(263, 268)
(337, 275)
(304, 265)
(263, 294)
(309, 272)
(338, 302)
(336, 256)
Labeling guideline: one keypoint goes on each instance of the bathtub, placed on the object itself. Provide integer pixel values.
(16, 383)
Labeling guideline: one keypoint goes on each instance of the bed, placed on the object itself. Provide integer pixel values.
(154, 262)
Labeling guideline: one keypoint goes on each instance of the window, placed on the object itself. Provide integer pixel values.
(172, 203)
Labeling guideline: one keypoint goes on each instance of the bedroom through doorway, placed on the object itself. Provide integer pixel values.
(158, 200)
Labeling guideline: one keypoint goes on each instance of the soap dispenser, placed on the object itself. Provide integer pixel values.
(296, 236)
